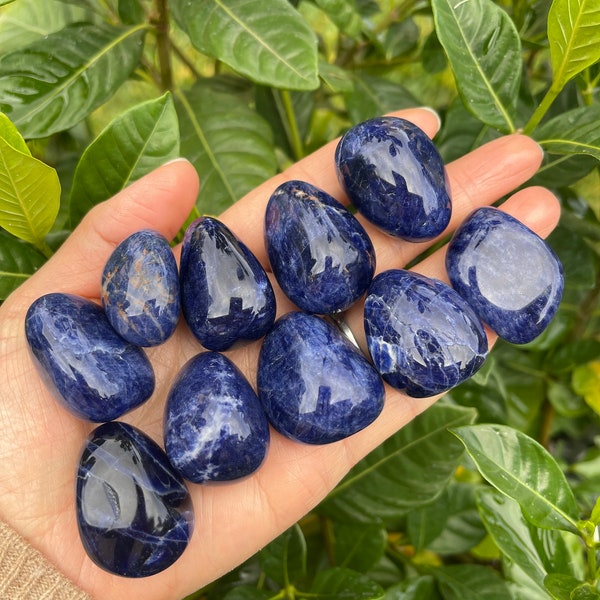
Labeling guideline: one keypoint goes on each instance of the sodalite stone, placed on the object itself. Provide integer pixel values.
(315, 385)
(507, 273)
(140, 289)
(134, 512)
(226, 295)
(98, 375)
(215, 428)
(422, 336)
(395, 177)
(320, 254)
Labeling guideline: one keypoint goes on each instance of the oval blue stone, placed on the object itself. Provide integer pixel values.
(215, 427)
(134, 512)
(99, 375)
(140, 289)
(320, 254)
(508, 274)
(226, 295)
(315, 385)
(422, 336)
(394, 175)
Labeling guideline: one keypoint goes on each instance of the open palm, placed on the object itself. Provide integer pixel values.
(41, 443)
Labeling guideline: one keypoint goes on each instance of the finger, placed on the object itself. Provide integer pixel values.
(161, 200)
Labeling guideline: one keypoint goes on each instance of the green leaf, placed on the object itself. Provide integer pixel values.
(422, 588)
(471, 582)
(29, 195)
(10, 134)
(284, 559)
(134, 143)
(574, 37)
(523, 470)
(358, 546)
(55, 82)
(344, 584)
(18, 261)
(243, 592)
(407, 470)
(29, 20)
(230, 145)
(275, 47)
(574, 132)
(484, 50)
(560, 586)
(585, 380)
(344, 14)
(585, 591)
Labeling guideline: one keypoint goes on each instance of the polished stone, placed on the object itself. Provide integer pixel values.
(508, 274)
(215, 428)
(395, 177)
(315, 385)
(98, 375)
(226, 295)
(320, 254)
(140, 289)
(134, 512)
(422, 336)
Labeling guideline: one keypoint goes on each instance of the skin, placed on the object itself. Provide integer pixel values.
(41, 443)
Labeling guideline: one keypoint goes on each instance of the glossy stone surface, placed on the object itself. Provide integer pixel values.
(134, 512)
(98, 375)
(320, 254)
(140, 289)
(215, 428)
(509, 275)
(422, 336)
(394, 175)
(315, 385)
(226, 295)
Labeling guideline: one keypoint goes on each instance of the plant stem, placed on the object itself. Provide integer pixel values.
(163, 43)
(592, 562)
(294, 132)
(44, 248)
(542, 108)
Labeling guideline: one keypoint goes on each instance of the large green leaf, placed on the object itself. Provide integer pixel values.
(407, 470)
(284, 559)
(10, 134)
(471, 582)
(422, 588)
(358, 546)
(29, 20)
(18, 261)
(523, 470)
(133, 144)
(344, 584)
(574, 37)
(274, 45)
(29, 195)
(484, 50)
(55, 82)
(574, 132)
(230, 145)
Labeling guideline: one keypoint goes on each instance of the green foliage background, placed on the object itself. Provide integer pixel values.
(492, 493)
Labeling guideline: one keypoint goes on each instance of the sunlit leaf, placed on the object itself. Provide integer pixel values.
(484, 50)
(275, 47)
(585, 380)
(134, 143)
(55, 82)
(10, 134)
(523, 470)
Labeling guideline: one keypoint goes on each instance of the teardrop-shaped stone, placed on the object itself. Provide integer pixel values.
(140, 289)
(422, 336)
(315, 385)
(226, 295)
(98, 375)
(395, 176)
(320, 254)
(134, 512)
(509, 275)
(215, 427)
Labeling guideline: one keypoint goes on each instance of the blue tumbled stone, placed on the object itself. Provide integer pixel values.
(395, 177)
(99, 376)
(315, 385)
(226, 295)
(320, 254)
(422, 336)
(215, 428)
(134, 512)
(508, 274)
(140, 289)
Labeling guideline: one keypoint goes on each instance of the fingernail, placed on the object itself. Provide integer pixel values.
(176, 160)
(434, 113)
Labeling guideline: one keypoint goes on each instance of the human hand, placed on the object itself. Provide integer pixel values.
(41, 442)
